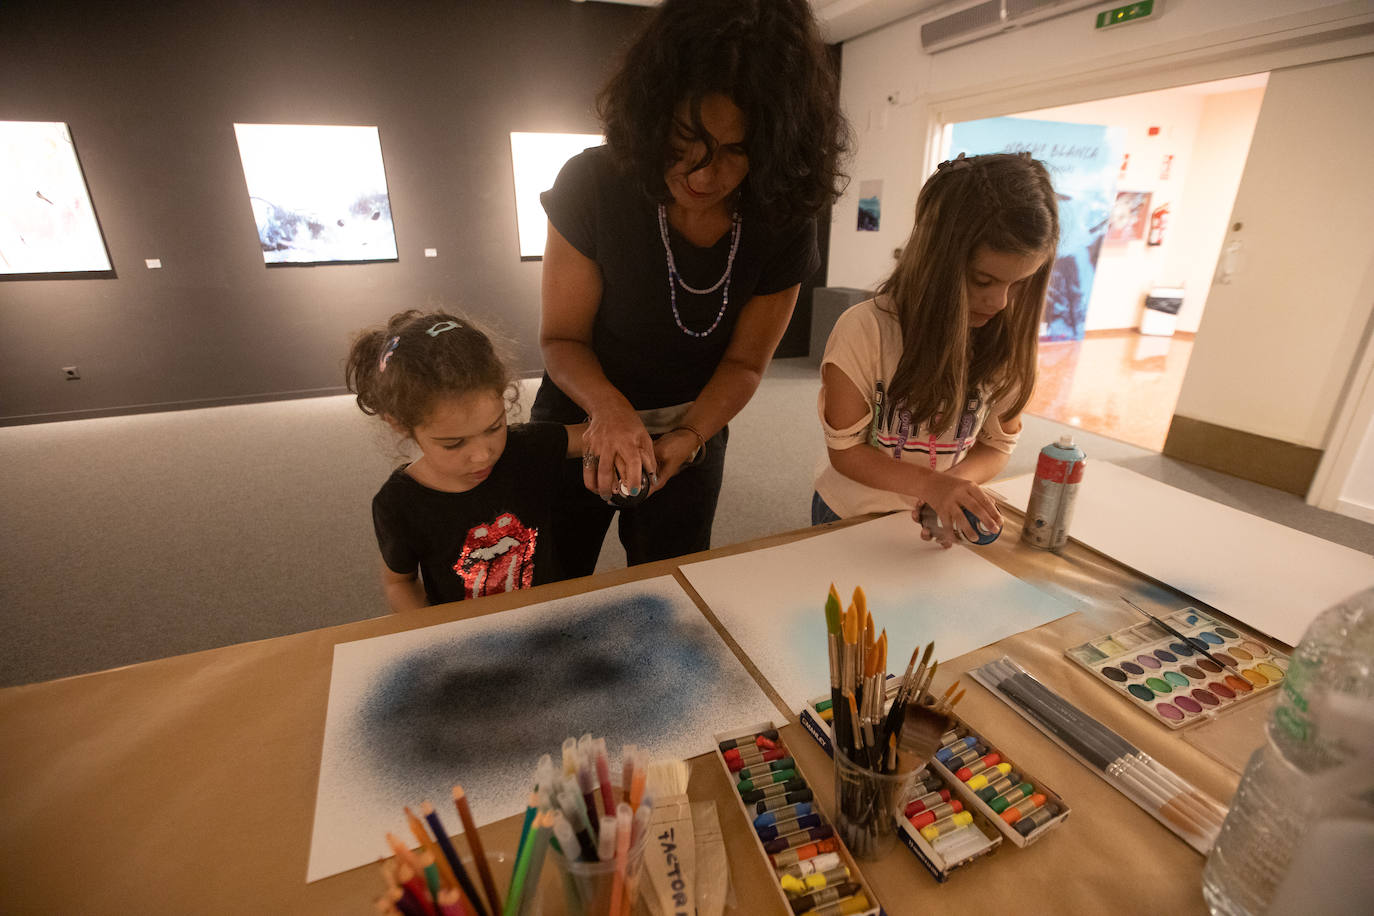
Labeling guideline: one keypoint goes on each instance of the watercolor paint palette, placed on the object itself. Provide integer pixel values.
(1172, 679)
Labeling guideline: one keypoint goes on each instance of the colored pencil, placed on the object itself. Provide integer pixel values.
(455, 864)
(460, 801)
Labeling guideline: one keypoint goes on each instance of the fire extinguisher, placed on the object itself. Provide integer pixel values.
(1159, 221)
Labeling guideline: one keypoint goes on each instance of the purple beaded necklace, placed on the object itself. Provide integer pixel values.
(675, 279)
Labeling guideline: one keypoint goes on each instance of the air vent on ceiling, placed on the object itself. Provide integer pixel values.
(991, 17)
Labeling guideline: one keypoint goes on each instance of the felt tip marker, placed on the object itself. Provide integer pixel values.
(784, 827)
(934, 814)
(1023, 807)
(819, 864)
(982, 779)
(1037, 818)
(786, 800)
(810, 851)
(978, 766)
(1010, 797)
(946, 824)
(799, 839)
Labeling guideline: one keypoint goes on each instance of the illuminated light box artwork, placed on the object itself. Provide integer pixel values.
(476, 702)
(536, 159)
(318, 192)
(47, 223)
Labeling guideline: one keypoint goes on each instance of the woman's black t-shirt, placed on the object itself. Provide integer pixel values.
(605, 216)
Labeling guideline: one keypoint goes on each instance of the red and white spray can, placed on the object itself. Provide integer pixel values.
(1057, 476)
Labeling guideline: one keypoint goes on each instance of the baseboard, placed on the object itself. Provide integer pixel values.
(1272, 462)
(161, 407)
(1355, 510)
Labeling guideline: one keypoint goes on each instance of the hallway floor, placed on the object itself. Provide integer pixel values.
(1122, 385)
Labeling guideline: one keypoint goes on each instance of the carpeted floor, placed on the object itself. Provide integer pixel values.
(130, 538)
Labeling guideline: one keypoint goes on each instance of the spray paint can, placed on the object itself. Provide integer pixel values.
(1058, 473)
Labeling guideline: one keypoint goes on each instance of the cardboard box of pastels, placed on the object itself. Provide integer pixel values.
(816, 874)
(970, 796)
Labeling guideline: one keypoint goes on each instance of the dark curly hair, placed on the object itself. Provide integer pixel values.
(398, 371)
(768, 58)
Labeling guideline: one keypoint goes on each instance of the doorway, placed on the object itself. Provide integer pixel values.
(1141, 240)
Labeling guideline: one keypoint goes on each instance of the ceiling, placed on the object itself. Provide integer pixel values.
(842, 20)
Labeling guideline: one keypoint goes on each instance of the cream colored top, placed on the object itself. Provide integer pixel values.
(865, 345)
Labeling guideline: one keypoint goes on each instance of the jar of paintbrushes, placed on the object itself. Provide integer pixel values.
(879, 748)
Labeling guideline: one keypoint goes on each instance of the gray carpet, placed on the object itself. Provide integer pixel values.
(130, 538)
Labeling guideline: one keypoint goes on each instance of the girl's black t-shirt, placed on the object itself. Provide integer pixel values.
(483, 541)
(604, 215)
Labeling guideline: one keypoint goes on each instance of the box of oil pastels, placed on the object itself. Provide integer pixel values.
(815, 872)
(1182, 682)
(967, 798)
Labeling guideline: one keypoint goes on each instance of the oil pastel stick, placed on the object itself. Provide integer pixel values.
(772, 766)
(973, 769)
(958, 744)
(796, 887)
(1037, 818)
(786, 800)
(983, 779)
(766, 779)
(771, 735)
(846, 907)
(921, 819)
(813, 866)
(965, 757)
(785, 827)
(997, 786)
(1014, 812)
(809, 851)
(819, 898)
(781, 788)
(925, 802)
(777, 815)
(1010, 797)
(946, 824)
(800, 838)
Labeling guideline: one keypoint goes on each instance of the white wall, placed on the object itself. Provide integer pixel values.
(893, 91)
(1276, 345)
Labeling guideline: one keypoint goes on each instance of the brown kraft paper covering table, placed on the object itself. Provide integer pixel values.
(187, 784)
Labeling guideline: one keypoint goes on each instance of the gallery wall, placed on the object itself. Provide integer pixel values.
(151, 93)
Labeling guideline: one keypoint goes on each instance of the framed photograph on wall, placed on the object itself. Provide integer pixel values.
(1130, 213)
(536, 159)
(318, 192)
(47, 221)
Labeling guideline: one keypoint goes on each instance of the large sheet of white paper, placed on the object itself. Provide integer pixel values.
(773, 601)
(476, 702)
(1272, 578)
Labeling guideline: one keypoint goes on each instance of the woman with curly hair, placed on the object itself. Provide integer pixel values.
(675, 254)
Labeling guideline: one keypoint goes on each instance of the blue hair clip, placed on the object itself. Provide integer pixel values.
(441, 327)
(390, 348)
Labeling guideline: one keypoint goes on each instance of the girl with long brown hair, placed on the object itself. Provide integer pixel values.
(922, 387)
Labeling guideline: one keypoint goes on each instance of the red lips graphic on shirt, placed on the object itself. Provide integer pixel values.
(497, 557)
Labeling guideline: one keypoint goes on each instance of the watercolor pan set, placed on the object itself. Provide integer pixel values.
(1174, 680)
(815, 872)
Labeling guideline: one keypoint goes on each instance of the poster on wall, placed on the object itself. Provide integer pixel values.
(318, 192)
(1129, 215)
(870, 205)
(536, 159)
(47, 222)
(1083, 161)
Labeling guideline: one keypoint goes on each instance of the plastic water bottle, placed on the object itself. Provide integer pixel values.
(1299, 837)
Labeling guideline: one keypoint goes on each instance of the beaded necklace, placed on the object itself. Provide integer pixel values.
(675, 279)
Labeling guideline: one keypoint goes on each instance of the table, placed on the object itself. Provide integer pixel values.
(187, 784)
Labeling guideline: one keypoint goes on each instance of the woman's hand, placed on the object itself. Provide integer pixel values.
(616, 449)
(949, 496)
(673, 450)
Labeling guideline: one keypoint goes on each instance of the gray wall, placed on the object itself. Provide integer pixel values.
(151, 92)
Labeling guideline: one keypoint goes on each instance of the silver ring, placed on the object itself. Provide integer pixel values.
(589, 462)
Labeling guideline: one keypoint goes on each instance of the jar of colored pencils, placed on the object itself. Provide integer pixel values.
(596, 887)
(868, 804)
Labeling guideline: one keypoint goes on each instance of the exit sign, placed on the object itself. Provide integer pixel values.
(1131, 12)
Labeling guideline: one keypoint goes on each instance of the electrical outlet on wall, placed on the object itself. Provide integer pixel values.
(71, 373)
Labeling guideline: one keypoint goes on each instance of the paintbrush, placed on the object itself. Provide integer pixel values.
(835, 640)
(1194, 643)
(919, 739)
